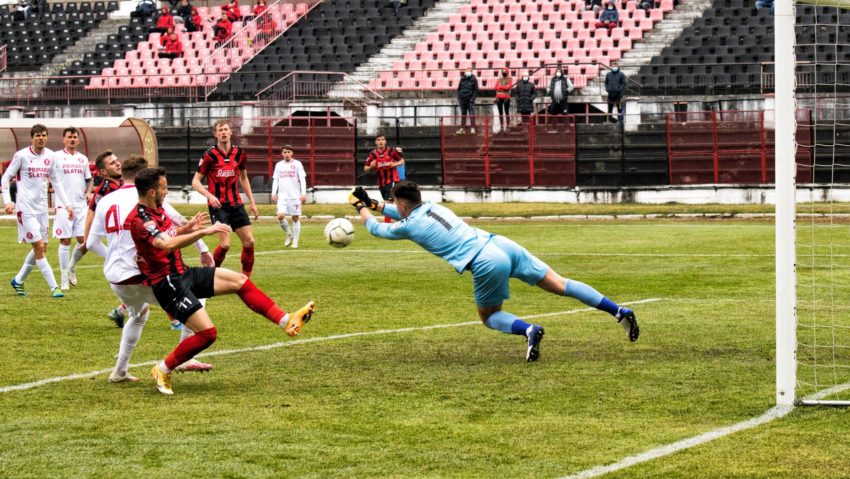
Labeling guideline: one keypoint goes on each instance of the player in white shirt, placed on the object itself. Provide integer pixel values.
(123, 273)
(289, 191)
(32, 167)
(75, 177)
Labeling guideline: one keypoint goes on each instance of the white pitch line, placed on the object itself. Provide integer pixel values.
(636, 255)
(43, 382)
(771, 414)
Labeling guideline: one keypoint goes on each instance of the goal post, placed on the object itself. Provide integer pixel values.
(812, 280)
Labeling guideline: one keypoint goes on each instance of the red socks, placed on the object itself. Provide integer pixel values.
(189, 347)
(260, 303)
(247, 260)
(218, 256)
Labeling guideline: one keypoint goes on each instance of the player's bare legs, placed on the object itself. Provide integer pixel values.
(246, 236)
(555, 283)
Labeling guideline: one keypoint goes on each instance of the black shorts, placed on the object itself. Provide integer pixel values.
(233, 215)
(178, 294)
(387, 192)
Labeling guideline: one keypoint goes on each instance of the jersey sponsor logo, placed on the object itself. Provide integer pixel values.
(47, 162)
(58, 231)
(225, 173)
(29, 235)
(38, 173)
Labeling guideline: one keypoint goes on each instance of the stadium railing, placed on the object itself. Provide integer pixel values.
(2, 58)
(729, 147)
(530, 151)
(316, 84)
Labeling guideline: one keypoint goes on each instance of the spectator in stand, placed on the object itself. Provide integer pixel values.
(37, 7)
(232, 11)
(503, 98)
(173, 47)
(559, 88)
(595, 5)
(163, 39)
(267, 28)
(195, 23)
(765, 4)
(615, 85)
(222, 30)
(260, 7)
(394, 4)
(646, 5)
(524, 93)
(610, 17)
(20, 13)
(184, 12)
(144, 9)
(164, 22)
(467, 91)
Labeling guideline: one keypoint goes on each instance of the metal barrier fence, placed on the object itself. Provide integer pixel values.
(2, 58)
(527, 151)
(728, 147)
(316, 84)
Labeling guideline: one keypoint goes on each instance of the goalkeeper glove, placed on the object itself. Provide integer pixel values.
(361, 195)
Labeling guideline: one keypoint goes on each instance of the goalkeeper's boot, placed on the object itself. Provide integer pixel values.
(115, 377)
(535, 335)
(628, 320)
(57, 293)
(161, 380)
(19, 287)
(116, 317)
(298, 318)
(193, 365)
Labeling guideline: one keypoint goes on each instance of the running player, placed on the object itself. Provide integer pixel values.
(493, 260)
(73, 172)
(385, 161)
(32, 167)
(289, 191)
(123, 273)
(177, 288)
(224, 166)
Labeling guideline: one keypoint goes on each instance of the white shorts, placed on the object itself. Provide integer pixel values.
(32, 228)
(65, 228)
(289, 207)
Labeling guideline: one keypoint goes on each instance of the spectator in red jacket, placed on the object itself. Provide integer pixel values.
(260, 7)
(503, 98)
(173, 48)
(267, 28)
(222, 30)
(232, 10)
(163, 39)
(195, 23)
(164, 22)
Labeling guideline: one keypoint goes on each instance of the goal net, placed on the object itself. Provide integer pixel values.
(812, 52)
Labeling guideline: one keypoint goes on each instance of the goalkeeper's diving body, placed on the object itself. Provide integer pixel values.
(493, 260)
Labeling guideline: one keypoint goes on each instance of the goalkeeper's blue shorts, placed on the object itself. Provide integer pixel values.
(500, 260)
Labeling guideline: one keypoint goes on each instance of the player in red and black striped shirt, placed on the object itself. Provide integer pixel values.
(177, 288)
(109, 168)
(385, 161)
(225, 168)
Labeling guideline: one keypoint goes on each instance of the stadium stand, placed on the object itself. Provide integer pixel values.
(36, 39)
(730, 47)
(521, 35)
(335, 36)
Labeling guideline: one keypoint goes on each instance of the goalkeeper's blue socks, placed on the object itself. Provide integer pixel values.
(589, 296)
(507, 323)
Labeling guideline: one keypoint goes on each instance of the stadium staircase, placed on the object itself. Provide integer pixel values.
(395, 50)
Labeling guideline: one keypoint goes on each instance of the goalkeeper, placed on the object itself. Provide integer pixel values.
(493, 260)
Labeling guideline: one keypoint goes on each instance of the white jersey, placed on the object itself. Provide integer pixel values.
(72, 171)
(109, 217)
(289, 180)
(31, 171)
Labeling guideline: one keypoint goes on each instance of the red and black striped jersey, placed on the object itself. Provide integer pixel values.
(381, 160)
(145, 225)
(222, 173)
(107, 186)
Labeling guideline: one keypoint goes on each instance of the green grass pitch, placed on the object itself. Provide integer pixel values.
(447, 402)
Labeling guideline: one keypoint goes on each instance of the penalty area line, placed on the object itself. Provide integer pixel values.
(319, 339)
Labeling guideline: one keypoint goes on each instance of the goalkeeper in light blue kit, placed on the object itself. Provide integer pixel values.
(493, 260)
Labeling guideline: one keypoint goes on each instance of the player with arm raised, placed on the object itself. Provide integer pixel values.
(289, 191)
(493, 260)
(121, 270)
(178, 288)
(225, 167)
(32, 167)
(386, 162)
(74, 174)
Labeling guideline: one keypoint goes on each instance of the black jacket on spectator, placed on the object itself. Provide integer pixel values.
(524, 92)
(615, 83)
(467, 89)
(185, 12)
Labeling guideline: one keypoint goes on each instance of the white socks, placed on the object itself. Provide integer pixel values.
(29, 264)
(64, 256)
(284, 225)
(76, 256)
(46, 272)
(296, 231)
(130, 334)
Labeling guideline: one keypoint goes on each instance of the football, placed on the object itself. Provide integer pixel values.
(339, 232)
